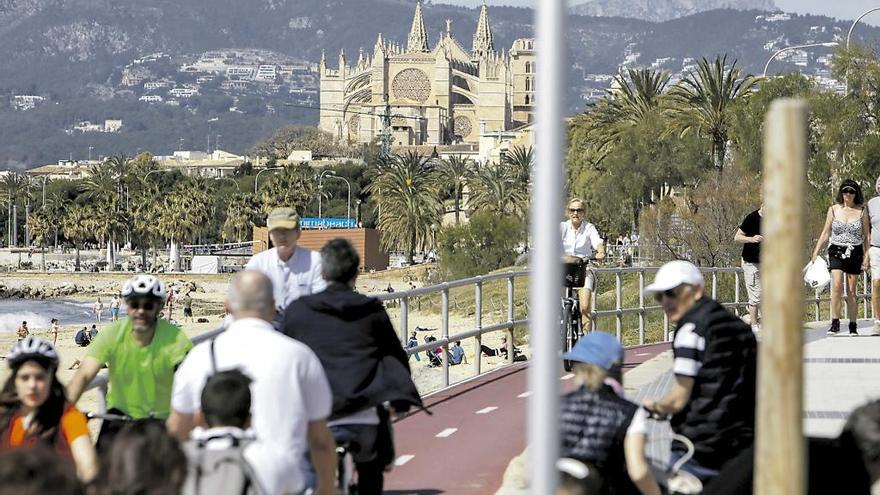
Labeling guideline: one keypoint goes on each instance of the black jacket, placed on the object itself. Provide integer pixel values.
(353, 337)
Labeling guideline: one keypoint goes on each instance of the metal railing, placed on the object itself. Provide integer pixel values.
(604, 277)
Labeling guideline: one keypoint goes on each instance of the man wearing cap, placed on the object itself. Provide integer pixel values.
(712, 400)
(294, 271)
(598, 426)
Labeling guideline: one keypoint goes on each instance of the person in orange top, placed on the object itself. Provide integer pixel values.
(33, 408)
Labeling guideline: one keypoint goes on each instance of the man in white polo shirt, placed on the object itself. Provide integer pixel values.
(581, 238)
(294, 271)
(290, 395)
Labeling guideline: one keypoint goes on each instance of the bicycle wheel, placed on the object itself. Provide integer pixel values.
(566, 331)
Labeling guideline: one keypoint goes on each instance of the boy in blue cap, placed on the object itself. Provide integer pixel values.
(601, 428)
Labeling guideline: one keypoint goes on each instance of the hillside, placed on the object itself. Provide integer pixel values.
(664, 10)
(90, 61)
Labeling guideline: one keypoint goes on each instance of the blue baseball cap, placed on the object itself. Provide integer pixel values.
(599, 348)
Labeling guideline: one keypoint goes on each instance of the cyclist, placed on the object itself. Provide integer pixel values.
(364, 360)
(715, 357)
(33, 408)
(580, 238)
(600, 428)
(141, 352)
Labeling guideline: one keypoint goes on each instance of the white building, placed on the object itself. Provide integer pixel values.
(112, 125)
(240, 73)
(183, 92)
(153, 85)
(26, 102)
(151, 99)
(267, 73)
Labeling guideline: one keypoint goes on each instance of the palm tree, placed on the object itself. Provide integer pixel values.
(406, 189)
(494, 189)
(39, 225)
(77, 225)
(240, 215)
(55, 208)
(145, 221)
(452, 174)
(519, 162)
(702, 103)
(292, 187)
(13, 186)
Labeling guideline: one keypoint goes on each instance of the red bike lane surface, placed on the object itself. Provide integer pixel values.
(475, 430)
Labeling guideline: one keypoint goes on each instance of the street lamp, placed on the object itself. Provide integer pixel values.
(158, 170)
(257, 177)
(358, 213)
(348, 210)
(90, 152)
(321, 187)
(829, 44)
(220, 177)
(859, 18)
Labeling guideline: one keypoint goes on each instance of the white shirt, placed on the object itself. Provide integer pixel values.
(298, 276)
(580, 242)
(289, 388)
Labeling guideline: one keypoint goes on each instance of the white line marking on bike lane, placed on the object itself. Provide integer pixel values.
(403, 459)
(487, 410)
(447, 432)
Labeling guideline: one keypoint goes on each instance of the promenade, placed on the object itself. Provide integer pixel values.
(475, 441)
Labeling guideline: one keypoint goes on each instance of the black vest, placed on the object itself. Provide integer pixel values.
(593, 426)
(719, 418)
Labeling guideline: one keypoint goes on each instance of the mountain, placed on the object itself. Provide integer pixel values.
(664, 10)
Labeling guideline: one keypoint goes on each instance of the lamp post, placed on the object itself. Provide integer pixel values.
(90, 152)
(220, 177)
(829, 44)
(321, 187)
(347, 183)
(158, 170)
(257, 177)
(859, 18)
(358, 213)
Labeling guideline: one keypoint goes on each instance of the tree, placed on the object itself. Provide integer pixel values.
(13, 187)
(452, 175)
(406, 192)
(294, 186)
(494, 189)
(77, 225)
(39, 226)
(241, 213)
(702, 103)
(485, 243)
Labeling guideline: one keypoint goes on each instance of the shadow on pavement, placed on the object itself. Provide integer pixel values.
(415, 491)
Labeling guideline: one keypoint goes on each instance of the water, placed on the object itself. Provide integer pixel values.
(39, 314)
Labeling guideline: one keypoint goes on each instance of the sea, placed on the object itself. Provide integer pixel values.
(39, 313)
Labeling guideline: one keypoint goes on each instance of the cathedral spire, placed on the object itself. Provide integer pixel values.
(418, 37)
(484, 42)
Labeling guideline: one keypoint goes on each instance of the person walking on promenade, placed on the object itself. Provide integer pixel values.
(712, 401)
(366, 365)
(141, 351)
(22, 331)
(581, 238)
(33, 409)
(291, 398)
(874, 256)
(749, 235)
(294, 271)
(846, 231)
(187, 302)
(114, 307)
(169, 303)
(98, 308)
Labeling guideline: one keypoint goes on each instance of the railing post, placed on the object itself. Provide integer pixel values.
(594, 302)
(510, 317)
(404, 319)
(444, 333)
(642, 307)
(618, 296)
(736, 291)
(666, 326)
(817, 303)
(865, 293)
(714, 285)
(478, 312)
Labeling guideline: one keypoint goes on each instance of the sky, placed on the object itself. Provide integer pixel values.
(841, 9)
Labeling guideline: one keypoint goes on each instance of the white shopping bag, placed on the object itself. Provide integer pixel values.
(816, 274)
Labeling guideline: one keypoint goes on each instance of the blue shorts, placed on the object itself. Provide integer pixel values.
(114, 311)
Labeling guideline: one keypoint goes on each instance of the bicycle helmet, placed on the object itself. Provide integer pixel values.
(144, 285)
(32, 348)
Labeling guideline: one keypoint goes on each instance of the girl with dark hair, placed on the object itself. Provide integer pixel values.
(144, 459)
(846, 231)
(33, 408)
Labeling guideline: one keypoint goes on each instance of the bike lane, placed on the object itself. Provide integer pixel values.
(475, 430)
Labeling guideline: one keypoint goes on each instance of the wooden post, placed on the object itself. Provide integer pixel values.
(779, 444)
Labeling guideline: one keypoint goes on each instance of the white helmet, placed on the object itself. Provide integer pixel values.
(144, 285)
(31, 348)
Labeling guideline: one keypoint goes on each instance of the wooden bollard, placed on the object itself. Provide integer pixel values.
(779, 443)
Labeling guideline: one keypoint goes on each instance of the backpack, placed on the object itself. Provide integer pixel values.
(219, 471)
(82, 339)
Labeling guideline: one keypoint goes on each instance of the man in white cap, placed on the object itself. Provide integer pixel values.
(874, 255)
(712, 399)
(294, 271)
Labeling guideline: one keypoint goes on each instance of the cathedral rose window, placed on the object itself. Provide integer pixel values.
(462, 126)
(412, 84)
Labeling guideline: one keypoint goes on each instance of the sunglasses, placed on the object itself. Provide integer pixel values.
(667, 294)
(145, 305)
(575, 210)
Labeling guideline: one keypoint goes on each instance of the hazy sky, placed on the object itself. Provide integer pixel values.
(842, 9)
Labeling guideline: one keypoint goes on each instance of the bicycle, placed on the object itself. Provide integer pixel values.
(346, 484)
(572, 326)
(672, 478)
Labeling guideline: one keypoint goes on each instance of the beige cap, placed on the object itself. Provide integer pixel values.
(282, 218)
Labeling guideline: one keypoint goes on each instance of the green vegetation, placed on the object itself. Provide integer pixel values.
(485, 241)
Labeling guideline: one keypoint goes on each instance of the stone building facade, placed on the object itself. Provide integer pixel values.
(436, 96)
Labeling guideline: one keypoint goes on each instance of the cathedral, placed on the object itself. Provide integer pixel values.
(437, 96)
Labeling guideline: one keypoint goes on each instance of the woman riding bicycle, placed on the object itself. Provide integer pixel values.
(601, 429)
(33, 408)
(580, 238)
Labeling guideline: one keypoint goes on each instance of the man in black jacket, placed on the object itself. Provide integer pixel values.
(364, 361)
(712, 401)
